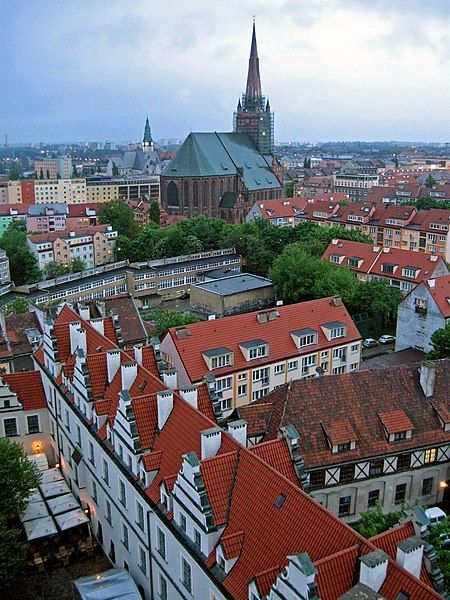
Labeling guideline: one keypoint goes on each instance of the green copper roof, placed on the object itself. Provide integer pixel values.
(221, 154)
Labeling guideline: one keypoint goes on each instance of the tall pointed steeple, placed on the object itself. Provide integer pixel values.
(147, 142)
(253, 91)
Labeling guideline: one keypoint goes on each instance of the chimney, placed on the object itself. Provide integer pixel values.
(73, 333)
(373, 569)
(84, 311)
(170, 378)
(190, 394)
(238, 430)
(112, 363)
(165, 404)
(211, 439)
(410, 554)
(82, 341)
(138, 353)
(427, 377)
(336, 301)
(128, 373)
(98, 325)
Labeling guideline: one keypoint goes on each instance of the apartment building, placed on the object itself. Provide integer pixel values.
(252, 354)
(366, 437)
(10, 192)
(93, 245)
(20, 334)
(51, 168)
(422, 312)
(9, 214)
(5, 275)
(184, 506)
(355, 185)
(403, 269)
(107, 189)
(67, 191)
(43, 218)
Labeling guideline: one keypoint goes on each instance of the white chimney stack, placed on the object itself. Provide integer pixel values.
(84, 312)
(138, 353)
(238, 430)
(98, 325)
(373, 569)
(73, 333)
(190, 394)
(82, 340)
(410, 554)
(211, 439)
(165, 404)
(112, 363)
(170, 379)
(427, 378)
(128, 373)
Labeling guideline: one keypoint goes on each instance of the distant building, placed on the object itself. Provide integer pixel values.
(52, 168)
(422, 312)
(223, 174)
(5, 276)
(101, 189)
(231, 295)
(20, 335)
(355, 185)
(67, 191)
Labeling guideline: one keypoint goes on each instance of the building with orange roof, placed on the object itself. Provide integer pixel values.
(185, 506)
(424, 310)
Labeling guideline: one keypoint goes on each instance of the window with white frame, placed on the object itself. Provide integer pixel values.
(354, 348)
(33, 424)
(337, 332)
(140, 516)
(261, 375)
(108, 514)
(223, 384)
(258, 352)
(225, 404)
(91, 453)
(122, 493)
(259, 393)
(223, 360)
(10, 427)
(94, 492)
(125, 536)
(105, 472)
(339, 370)
(339, 353)
(186, 574)
(308, 362)
(307, 340)
(142, 560)
(242, 389)
(163, 591)
(242, 376)
(292, 365)
(278, 369)
(353, 367)
(161, 542)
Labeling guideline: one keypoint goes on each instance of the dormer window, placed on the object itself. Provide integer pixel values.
(218, 357)
(388, 268)
(258, 352)
(354, 261)
(304, 337)
(254, 349)
(336, 258)
(341, 437)
(334, 330)
(409, 271)
(397, 425)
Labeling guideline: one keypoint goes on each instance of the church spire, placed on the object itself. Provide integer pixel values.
(147, 142)
(253, 90)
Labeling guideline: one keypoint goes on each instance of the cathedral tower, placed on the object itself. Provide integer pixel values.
(147, 142)
(253, 115)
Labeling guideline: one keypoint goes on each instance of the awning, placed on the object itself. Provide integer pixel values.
(71, 519)
(35, 496)
(62, 504)
(109, 585)
(56, 488)
(34, 510)
(40, 528)
(40, 460)
(50, 475)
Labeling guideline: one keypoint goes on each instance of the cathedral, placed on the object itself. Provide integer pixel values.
(223, 174)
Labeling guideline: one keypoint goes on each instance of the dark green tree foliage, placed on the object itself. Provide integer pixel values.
(163, 319)
(77, 265)
(120, 216)
(41, 173)
(15, 173)
(395, 161)
(12, 556)
(53, 270)
(115, 169)
(440, 340)
(48, 174)
(289, 189)
(22, 263)
(443, 556)
(374, 521)
(430, 182)
(17, 306)
(155, 213)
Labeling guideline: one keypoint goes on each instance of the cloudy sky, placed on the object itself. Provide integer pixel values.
(333, 69)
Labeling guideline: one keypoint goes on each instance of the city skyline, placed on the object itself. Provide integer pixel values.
(332, 70)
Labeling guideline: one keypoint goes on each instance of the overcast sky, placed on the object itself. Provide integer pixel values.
(333, 69)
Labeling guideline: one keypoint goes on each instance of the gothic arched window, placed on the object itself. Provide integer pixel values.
(172, 195)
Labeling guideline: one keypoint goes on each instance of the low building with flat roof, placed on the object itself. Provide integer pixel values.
(232, 295)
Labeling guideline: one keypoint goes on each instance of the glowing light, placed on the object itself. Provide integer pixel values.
(37, 446)
(443, 484)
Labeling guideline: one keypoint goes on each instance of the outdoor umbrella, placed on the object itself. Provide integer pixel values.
(71, 519)
(55, 488)
(34, 510)
(50, 475)
(62, 504)
(40, 528)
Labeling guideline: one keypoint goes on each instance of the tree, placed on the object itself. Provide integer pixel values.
(18, 477)
(289, 188)
(115, 169)
(53, 270)
(374, 521)
(17, 306)
(172, 244)
(430, 182)
(98, 169)
(155, 212)
(443, 556)
(48, 174)
(395, 161)
(41, 173)
(307, 163)
(440, 340)
(164, 319)
(12, 556)
(75, 173)
(14, 173)
(23, 264)
(377, 298)
(294, 274)
(77, 265)
(120, 216)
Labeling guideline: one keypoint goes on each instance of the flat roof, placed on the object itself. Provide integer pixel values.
(226, 286)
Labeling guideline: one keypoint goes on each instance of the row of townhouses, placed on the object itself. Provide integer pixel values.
(185, 506)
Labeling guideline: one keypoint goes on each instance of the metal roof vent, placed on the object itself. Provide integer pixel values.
(280, 500)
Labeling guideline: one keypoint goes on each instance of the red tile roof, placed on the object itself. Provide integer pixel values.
(441, 294)
(229, 332)
(395, 421)
(28, 387)
(218, 474)
(232, 544)
(276, 453)
(51, 236)
(340, 432)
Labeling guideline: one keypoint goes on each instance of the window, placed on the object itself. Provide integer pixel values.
(339, 370)
(259, 394)
(182, 522)
(186, 574)
(430, 456)
(347, 473)
(161, 542)
(122, 493)
(258, 352)
(345, 506)
(292, 365)
(403, 461)
(307, 363)
(307, 340)
(225, 404)
(408, 272)
(344, 447)
(140, 515)
(79, 436)
(376, 467)
(278, 369)
(220, 361)
(261, 375)
(242, 376)
(163, 593)
(339, 353)
(142, 560)
(427, 486)
(399, 435)
(108, 511)
(354, 347)
(317, 479)
(337, 333)
(10, 427)
(33, 424)
(67, 420)
(353, 367)
(125, 538)
(91, 453)
(223, 384)
(242, 389)
(373, 498)
(400, 493)
(105, 472)
(197, 539)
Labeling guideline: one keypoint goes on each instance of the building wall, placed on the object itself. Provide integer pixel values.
(31, 442)
(414, 326)
(231, 304)
(67, 191)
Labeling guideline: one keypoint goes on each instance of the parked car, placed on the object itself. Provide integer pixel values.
(435, 514)
(369, 343)
(387, 339)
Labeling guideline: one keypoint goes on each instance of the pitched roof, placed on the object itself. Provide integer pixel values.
(230, 332)
(28, 387)
(16, 326)
(355, 397)
(51, 236)
(440, 290)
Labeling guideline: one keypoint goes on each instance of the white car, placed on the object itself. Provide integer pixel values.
(369, 343)
(387, 339)
(435, 514)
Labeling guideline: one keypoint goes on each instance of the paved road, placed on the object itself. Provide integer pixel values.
(377, 351)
